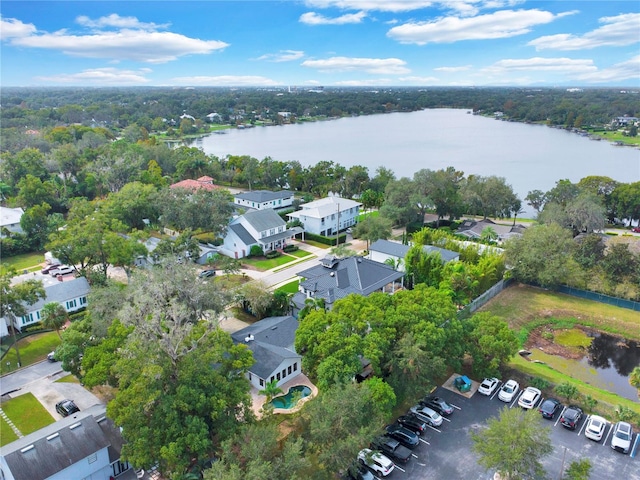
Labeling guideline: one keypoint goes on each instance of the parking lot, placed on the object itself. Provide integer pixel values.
(446, 452)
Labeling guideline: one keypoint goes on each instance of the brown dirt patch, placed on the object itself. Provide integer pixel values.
(537, 340)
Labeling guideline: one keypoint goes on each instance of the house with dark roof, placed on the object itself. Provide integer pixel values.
(263, 199)
(335, 278)
(383, 250)
(474, 228)
(271, 341)
(264, 228)
(204, 183)
(71, 294)
(84, 445)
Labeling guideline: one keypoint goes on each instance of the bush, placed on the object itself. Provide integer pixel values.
(342, 238)
(539, 383)
(256, 251)
(273, 254)
(290, 248)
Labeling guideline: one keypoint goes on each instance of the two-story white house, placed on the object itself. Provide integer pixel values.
(71, 294)
(264, 228)
(10, 220)
(85, 445)
(328, 216)
(263, 199)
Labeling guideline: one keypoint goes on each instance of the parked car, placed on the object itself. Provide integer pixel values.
(508, 391)
(635, 229)
(61, 270)
(359, 473)
(47, 268)
(66, 407)
(427, 414)
(376, 461)
(529, 398)
(392, 448)
(621, 437)
(51, 356)
(413, 423)
(405, 436)
(438, 404)
(207, 273)
(549, 407)
(488, 386)
(595, 428)
(571, 417)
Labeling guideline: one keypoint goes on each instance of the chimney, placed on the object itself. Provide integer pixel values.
(248, 338)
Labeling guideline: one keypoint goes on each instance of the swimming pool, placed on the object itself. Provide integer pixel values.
(286, 401)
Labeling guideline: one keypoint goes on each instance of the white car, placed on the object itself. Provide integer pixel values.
(595, 428)
(621, 437)
(376, 461)
(488, 386)
(61, 270)
(529, 398)
(508, 391)
(428, 415)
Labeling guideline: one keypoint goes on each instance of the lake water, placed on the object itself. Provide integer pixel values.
(528, 156)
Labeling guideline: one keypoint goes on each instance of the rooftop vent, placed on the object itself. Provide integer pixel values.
(75, 425)
(248, 338)
(51, 437)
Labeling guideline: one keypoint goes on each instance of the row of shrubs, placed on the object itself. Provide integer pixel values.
(331, 241)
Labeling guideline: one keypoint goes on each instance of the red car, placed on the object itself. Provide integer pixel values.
(636, 229)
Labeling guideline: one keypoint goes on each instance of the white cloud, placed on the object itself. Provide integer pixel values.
(502, 24)
(312, 18)
(99, 76)
(419, 80)
(282, 56)
(115, 20)
(464, 7)
(620, 71)
(377, 82)
(378, 66)
(615, 32)
(566, 66)
(14, 28)
(461, 68)
(136, 45)
(226, 80)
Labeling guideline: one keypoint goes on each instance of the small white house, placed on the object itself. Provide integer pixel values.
(383, 251)
(72, 295)
(263, 199)
(264, 228)
(271, 342)
(10, 220)
(328, 216)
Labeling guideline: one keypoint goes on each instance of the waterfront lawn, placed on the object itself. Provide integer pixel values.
(26, 413)
(33, 348)
(522, 305)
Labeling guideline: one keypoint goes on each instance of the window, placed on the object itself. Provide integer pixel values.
(289, 370)
(71, 304)
(38, 314)
(278, 376)
(295, 367)
(272, 231)
(261, 382)
(333, 216)
(284, 372)
(271, 380)
(92, 458)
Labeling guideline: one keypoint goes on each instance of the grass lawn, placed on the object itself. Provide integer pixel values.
(372, 213)
(521, 304)
(68, 379)
(617, 137)
(26, 413)
(33, 348)
(263, 263)
(7, 435)
(300, 253)
(291, 287)
(317, 244)
(25, 261)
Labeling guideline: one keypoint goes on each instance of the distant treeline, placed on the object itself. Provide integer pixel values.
(117, 108)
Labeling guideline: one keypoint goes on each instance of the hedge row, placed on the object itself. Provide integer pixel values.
(342, 238)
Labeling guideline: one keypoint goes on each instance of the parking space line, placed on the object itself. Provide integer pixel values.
(497, 390)
(446, 419)
(515, 400)
(560, 416)
(455, 406)
(635, 445)
(403, 471)
(583, 425)
(434, 428)
(414, 455)
(607, 437)
(424, 441)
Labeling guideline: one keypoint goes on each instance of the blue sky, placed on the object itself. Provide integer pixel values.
(320, 43)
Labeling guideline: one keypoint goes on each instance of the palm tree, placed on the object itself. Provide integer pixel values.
(489, 235)
(634, 379)
(54, 316)
(271, 389)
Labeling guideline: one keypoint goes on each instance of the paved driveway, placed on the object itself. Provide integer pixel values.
(448, 454)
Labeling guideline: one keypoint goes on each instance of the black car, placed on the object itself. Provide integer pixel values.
(207, 273)
(549, 407)
(571, 417)
(438, 404)
(392, 448)
(413, 423)
(405, 436)
(66, 408)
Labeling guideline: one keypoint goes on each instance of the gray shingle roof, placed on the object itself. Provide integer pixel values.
(61, 292)
(400, 251)
(263, 220)
(350, 275)
(272, 342)
(242, 233)
(62, 444)
(261, 196)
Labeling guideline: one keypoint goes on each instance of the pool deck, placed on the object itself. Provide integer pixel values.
(259, 400)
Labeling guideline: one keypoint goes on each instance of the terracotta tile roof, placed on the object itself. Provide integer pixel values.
(190, 184)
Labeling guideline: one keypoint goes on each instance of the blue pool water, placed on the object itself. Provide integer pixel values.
(286, 401)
